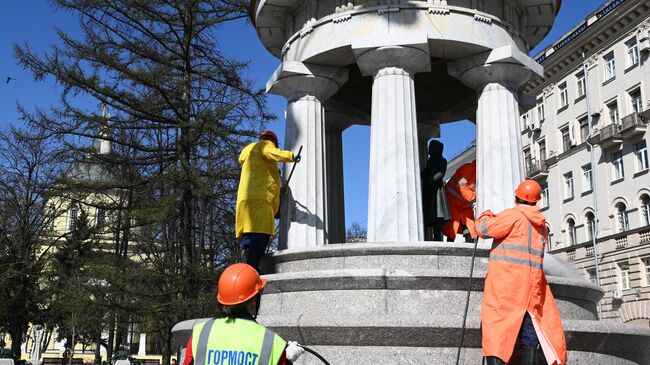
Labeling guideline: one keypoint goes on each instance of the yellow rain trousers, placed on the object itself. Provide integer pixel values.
(258, 196)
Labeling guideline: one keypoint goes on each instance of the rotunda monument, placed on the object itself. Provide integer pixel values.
(403, 67)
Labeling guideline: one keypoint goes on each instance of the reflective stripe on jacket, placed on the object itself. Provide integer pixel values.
(231, 341)
(461, 194)
(258, 196)
(515, 284)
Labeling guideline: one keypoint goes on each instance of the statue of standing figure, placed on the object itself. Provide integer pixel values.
(434, 202)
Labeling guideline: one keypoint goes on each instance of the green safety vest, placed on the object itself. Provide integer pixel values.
(235, 341)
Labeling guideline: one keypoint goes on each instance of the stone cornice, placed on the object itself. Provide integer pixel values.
(627, 20)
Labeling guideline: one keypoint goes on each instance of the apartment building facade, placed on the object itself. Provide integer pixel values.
(593, 103)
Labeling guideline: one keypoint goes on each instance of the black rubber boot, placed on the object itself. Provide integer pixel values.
(491, 360)
(529, 356)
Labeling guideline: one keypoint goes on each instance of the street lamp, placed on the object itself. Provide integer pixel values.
(594, 239)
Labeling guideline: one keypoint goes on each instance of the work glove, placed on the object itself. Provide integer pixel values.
(293, 351)
(297, 159)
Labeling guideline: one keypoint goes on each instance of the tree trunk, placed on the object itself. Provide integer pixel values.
(166, 346)
(16, 335)
(111, 337)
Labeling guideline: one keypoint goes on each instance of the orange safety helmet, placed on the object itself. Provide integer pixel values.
(239, 283)
(271, 135)
(529, 191)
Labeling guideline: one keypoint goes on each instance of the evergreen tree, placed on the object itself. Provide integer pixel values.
(29, 167)
(180, 113)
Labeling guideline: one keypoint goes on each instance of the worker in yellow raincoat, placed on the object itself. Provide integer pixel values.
(258, 196)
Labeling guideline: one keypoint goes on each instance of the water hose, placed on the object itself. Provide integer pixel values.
(321, 358)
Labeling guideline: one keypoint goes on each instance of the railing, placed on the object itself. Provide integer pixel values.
(621, 242)
(644, 236)
(610, 131)
(535, 167)
(590, 250)
(571, 255)
(631, 121)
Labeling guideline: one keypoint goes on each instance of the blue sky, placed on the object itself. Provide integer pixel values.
(34, 22)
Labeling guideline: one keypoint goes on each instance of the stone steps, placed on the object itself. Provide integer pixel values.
(359, 304)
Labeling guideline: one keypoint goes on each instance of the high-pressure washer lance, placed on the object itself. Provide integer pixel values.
(283, 190)
(469, 292)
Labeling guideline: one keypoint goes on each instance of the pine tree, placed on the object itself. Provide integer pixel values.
(29, 167)
(180, 113)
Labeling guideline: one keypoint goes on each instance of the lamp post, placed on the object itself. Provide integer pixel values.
(594, 239)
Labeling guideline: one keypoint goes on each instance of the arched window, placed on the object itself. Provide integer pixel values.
(645, 210)
(621, 217)
(571, 231)
(100, 219)
(73, 214)
(591, 226)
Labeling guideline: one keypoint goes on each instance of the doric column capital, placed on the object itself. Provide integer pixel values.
(294, 80)
(393, 59)
(506, 65)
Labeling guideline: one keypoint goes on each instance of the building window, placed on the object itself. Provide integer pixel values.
(568, 185)
(564, 95)
(635, 98)
(614, 116)
(624, 269)
(646, 271)
(566, 138)
(610, 66)
(591, 226)
(617, 165)
(528, 159)
(73, 214)
(632, 52)
(641, 153)
(584, 128)
(592, 275)
(571, 231)
(100, 219)
(540, 110)
(580, 83)
(525, 121)
(542, 150)
(587, 178)
(621, 218)
(544, 202)
(645, 210)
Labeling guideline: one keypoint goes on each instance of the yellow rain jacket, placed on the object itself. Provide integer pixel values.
(258, 196)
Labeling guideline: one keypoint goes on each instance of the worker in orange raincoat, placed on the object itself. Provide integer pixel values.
(518, 306)
(461, 195)
(258, 196)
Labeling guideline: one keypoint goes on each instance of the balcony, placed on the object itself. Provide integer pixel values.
(632, 125)
(610, 136)
(537, 170)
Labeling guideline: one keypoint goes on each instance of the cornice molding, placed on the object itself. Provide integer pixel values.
(596, 39)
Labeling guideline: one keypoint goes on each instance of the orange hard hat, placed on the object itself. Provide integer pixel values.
(529, 191)
(239, 283)
(271, 135)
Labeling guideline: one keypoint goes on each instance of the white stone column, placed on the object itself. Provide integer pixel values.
(142, 345)
(500, 167)
(394, 195)
(496, 75)
(303, 211)
(335, 186)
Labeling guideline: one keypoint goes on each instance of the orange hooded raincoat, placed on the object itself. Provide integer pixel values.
(515, 284)
(461, 194)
